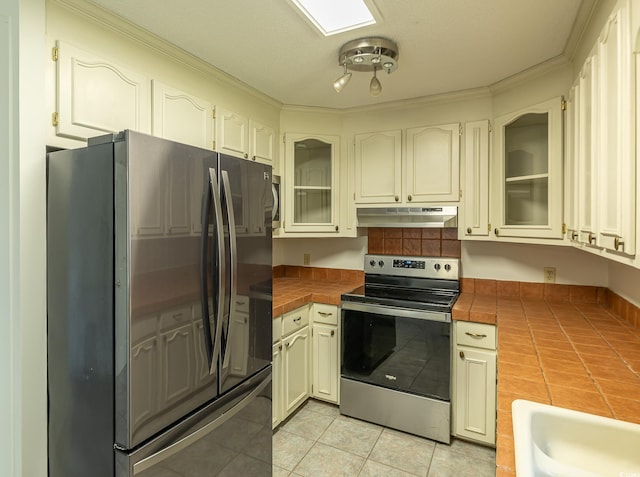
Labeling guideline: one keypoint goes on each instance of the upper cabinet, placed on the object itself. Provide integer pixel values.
(527, 172)
(432, 172)
(310, 184)
(426, 169)
(602, 144)
(95, 96)
(616, 173)
(239, 136)
(181, 117)
(475, 219)
(378, 163)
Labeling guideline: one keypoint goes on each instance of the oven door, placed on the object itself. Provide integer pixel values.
(400, 349)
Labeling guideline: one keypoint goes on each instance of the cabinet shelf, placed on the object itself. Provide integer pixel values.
(303, 188)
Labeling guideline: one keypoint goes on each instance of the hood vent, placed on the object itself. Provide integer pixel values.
(435, 217)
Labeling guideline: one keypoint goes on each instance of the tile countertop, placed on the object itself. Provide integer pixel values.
(566, 349)
(290, 293)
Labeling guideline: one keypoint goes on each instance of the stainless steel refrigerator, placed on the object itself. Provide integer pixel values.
(159, 311)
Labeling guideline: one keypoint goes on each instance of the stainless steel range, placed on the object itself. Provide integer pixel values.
(396, 344)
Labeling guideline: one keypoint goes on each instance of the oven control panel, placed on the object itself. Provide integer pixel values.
(424, 267)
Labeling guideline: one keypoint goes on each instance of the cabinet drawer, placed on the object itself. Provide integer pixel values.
(242, 303)
(294, 320)
(327, 314)
(478, 335)
(277, 329)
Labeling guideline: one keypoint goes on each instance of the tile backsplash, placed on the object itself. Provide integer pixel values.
(419, 242)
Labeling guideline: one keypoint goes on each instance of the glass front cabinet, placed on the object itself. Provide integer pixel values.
(528, 172)
(311, 202)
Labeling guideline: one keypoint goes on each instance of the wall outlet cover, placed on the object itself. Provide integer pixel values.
(549, 274)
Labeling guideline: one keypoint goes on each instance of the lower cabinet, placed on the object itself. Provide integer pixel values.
(306, 358)
(325, 353)
(295, 367)
(474, 396)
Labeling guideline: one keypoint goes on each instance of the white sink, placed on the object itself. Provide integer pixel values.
(552, 441)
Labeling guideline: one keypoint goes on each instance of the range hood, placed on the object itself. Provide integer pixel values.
(408, 217)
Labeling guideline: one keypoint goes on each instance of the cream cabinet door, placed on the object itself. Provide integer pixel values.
(432, 172)
(262, 141)
(325, 362)
(232, 133)
(527, 172)
(616, 188)
(586, 151)
(96, 96)
(181, 117)
(311, 186)
(475, 404)
(295, 363)
(476, 179)
(378, 164)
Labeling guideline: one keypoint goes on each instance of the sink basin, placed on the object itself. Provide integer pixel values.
(552, 441)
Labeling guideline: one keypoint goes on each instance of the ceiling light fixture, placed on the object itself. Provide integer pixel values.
(367, 54)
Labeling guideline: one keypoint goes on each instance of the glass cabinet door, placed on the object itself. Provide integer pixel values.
(310, 182)
(530, 172)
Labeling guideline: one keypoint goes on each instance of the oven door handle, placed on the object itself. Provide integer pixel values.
(400, 312)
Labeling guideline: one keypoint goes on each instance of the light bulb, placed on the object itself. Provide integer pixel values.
(341, 82)
(375, 87)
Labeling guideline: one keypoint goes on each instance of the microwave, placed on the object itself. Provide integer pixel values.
(275, 213)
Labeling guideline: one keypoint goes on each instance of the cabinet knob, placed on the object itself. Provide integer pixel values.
(592, 238)
(618, 242)
(496, 231)
(287, 344)
(462, 354)
(469, 230)
(253, 157)
(397, 198)
(246, 155)
(333, 332)
(297, 320)
(409, 198)
(574, 235)
(337, 228)
(280, 347)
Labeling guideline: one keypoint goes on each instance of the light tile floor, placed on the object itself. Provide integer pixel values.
(318, 442)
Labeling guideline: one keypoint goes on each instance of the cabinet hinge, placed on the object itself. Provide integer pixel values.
(284, 138)
(54, 53)
(490, 127)
(459, 129)
(213, 113)
(488, 227)
(54, 119)
(563, 105)
(354, 196)
(564, 228)
(213, 145)
(460, 194)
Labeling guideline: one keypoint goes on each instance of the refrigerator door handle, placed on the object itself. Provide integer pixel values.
(276, 202)
(200, 433)
(221, 270)
(204, 286)
(233, 252)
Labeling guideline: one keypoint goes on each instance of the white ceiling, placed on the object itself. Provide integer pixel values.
(444, 45)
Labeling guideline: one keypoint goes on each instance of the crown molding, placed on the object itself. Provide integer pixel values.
(529, 74)
(137, 34)
(581, 23)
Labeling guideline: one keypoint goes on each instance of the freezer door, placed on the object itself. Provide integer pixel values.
(230, 437)
(247, 203)
(167, 233)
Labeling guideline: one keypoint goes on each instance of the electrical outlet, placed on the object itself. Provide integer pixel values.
(549, 274)
(306, 260)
